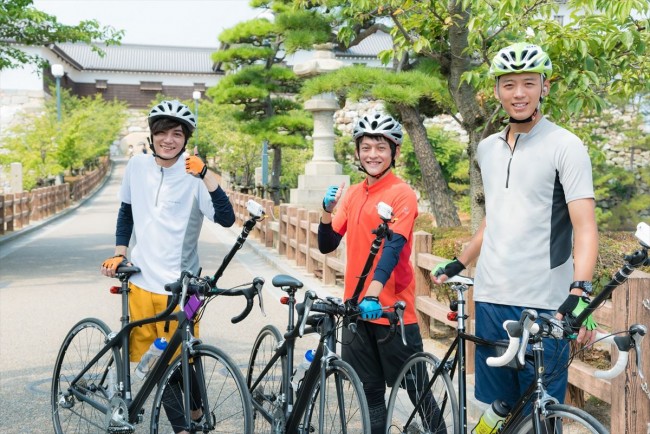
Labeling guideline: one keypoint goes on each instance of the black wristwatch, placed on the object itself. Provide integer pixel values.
(585, 285)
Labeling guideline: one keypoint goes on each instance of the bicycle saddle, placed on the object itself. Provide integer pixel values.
(282, 280)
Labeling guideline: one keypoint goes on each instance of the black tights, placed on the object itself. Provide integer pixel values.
(377, 406)
(173, 399)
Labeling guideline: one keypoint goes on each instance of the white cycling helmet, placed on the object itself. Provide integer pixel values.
(173, 110)
(376, 124)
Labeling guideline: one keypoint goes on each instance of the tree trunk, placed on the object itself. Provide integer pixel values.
(275, 174)
(442, 205)
(473, 114)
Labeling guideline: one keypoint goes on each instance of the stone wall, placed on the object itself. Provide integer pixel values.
(14, 102)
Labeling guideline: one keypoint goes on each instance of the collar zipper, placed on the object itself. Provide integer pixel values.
(512, 151)
(162, 175)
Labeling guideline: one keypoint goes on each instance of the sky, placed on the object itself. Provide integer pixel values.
(184, 23)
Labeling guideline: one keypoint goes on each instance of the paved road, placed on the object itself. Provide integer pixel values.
(49, 280)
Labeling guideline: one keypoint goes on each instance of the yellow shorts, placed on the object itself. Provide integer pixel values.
(145, 304)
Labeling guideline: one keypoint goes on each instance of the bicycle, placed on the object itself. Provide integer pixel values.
(330, 397)
(91, 385)
(432, 374)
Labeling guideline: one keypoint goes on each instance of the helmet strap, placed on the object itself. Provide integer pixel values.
(153, 150)
(524, 121)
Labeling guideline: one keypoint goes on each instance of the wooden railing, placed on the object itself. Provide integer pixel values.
(18, 210)
(293, 233)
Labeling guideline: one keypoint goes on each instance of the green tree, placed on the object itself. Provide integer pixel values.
(406, 93)
(602, 51)
(259, 85)
(46, 147)
(22, 24)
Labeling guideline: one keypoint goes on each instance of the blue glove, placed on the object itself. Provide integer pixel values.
(370, 308)
(329, 201)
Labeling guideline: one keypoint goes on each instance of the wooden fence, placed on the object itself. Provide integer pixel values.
(17, 210)
(293, 233)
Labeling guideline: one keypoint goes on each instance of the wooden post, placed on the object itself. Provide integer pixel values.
(9, 212)
(292, 228)
(630, 404)
(313, 217)
(268, 233)
(422, 244)
(302, 227)
(282, 232)
(2, 214)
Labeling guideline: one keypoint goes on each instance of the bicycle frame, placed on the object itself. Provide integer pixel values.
(182, 337)
(459, 351)
(325, 351)
(121, 340)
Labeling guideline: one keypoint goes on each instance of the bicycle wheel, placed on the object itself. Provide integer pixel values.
(229, 409)
(345, 409)
(438, 411)
(80, 346)
(267, 396)
(562, 419)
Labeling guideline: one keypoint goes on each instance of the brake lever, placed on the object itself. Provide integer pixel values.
(529, 317)
(258, 284)
(186, 283)
(400, 307)
(310, 296)
(638, 332)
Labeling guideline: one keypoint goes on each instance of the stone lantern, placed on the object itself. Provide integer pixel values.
(323, 170)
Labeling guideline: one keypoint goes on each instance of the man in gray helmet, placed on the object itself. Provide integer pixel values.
(165, 197)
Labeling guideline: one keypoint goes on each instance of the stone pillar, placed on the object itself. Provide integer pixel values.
(16, 178)
(323, 170)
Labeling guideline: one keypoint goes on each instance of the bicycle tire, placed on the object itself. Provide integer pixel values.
(82, 343)
(345, 409)
(230, 409)
(419, 369)
(571, 421)
(268, 395)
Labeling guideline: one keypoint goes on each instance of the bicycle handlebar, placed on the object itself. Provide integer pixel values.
(336, 307)
(518, 333)
(190, 285)
(630, 339)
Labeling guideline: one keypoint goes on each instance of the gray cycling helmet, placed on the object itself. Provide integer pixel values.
(377, 124)
(173, 110)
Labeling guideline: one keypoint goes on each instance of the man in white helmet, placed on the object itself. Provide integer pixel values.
(165, 196)
(538, 242)
(378, 139)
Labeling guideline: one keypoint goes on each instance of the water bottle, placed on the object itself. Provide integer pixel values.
(149, 358)
(302, 368)
(492, 418)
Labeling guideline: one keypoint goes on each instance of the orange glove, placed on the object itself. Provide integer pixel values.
(115, 261)
(195, 166)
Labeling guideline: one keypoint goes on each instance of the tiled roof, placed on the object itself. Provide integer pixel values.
(139, 58)
(368, 47)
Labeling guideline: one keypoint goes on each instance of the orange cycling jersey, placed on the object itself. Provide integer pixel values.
(356, 217)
